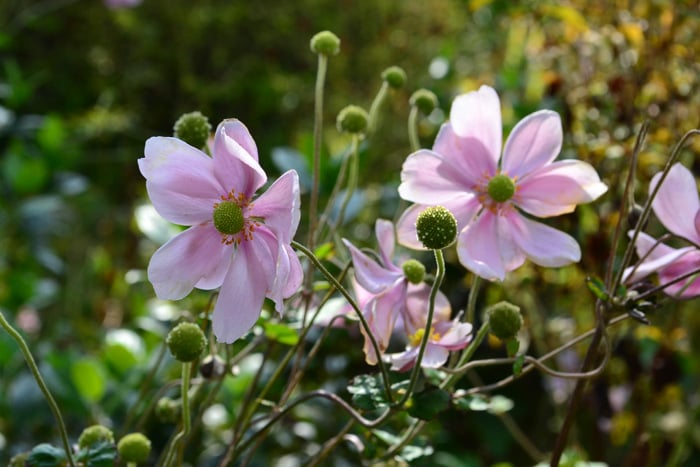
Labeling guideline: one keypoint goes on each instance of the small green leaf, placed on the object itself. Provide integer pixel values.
(512, 347)
(367, 392)
(325, 251)
(477, 403)
(89, 378)
(499, 405)
(597, 286)
(425, 405)
(45, 455)
(101, 454)
(518, 364)
(281, 333)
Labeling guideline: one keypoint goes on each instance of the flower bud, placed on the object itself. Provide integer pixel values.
(352, 119)
(394, 76)
(167, 410)
(424, 100)
(95, 434)
(505, 320)
(414, 271)
(326, 43)
(134, 447)
(212, 367)
(186, 342)
(436, 227)
(193, 128)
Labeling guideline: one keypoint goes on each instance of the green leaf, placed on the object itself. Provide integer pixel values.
(597, 286)
(324, 252)
(499, 405)
(518, 364)
(426, 404)
(89, 378)
(45, 455)
(101, 454)
(367, 392)
(281, 333)
(512, 347)
(477, 403)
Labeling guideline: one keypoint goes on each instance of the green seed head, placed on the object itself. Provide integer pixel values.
(352, 119)
(436, 227)
(501, 188)
(505, 320)
(167, 410)
(134, 447)
(193, 128)
(424, 100)
(186, 342)
(414, 271)
(228, 217)
(326, 43)
(95, 434)
(394, 76)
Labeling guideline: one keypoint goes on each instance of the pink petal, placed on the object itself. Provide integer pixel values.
(369, 273)
(384, 231)
(657, 256)
(542, 244)
(476, 116)
(557, 188)
(381, 312)
(279, 206)
(180, 180)
(195, 257)
(473, 162)
(534, 142)
(453, 334)
(431, 178)
(236, 159)
(686, 288)
(435, 356)
(415, 312)
(286, 273)
(677, 203)
(404, 361)
(243, 291)
(296, 273)
(486, 247)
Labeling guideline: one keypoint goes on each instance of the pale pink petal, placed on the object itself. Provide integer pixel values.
(243, 292)
(193, 257)
(405, 360)
(478, 247)
(279, 206)
(657, 256)
(454, 335)
(180, 180)
(476, 117)
(471, 160)
(542, 244)
(534, 142)
(384, 231)
(431, 178)
(369, 273)
(285, 266)
(380, 313)
(415, 312)
(435, 356)
(557, 188)
(463, 206)
(236, 159)
(686, 288)
(296, 273)
(677, 203)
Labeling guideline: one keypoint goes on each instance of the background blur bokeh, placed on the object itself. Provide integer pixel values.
(82, 86)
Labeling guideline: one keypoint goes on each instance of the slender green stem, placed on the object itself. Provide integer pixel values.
(42, 385)
(376, 104)
(413, 128)
(471, 303)
(186, 422)
(385, 374)
(467, 355)
(439, 276)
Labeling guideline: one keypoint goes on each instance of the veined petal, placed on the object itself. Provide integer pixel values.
(435, 356)
(195, 257)
(404, 361)
(279, 206)
(542, 244)
(677, 203)
(431, 178)
(686, 288)
(557, 188)
(657, 256)
(473, 160)
(415, 313)
(236, 159)
(180, 180)
(454, 335)
(384, 231)
(534, 142)
(243, 291)
(296, 273)
(476, 116)
(478, 247)
(369, 273)
(380, 313)
(286, 272)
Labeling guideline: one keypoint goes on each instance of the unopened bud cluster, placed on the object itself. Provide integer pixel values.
(436, 227)
(193, 128)
(186, 342)
(505, 320)
(325, 43)
(353, 119)
(424, 100)
(134, 447)
(394, 76)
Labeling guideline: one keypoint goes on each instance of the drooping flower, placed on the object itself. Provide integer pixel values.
(386, 295)
(677, 206)
(465, 173)
(235, 242)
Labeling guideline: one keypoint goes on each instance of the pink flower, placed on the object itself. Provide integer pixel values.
(384, 293)
(235, 242)
(465, 173)
(677, 206)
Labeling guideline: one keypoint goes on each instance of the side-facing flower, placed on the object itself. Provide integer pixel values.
(677, 206)
(235, 242)
(465, 173)
(385, 293)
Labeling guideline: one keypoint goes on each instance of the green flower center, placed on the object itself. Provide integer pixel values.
(414, 271)
(501, 188)
(228, 217)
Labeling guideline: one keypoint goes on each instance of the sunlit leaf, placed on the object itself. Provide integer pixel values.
(281, 333)
(425, 405)
(88, 376)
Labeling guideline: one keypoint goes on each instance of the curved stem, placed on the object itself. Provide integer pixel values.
(413, 129)
(471, 303)
(42, 385)
(374, 108)
(186, 422)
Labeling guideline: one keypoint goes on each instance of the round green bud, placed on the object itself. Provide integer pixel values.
(394, 77)
(193, 128)
(167, 410)
(134, 447)
(501, 188)
(212, 367)
(95, 434)
(505, 319)
(436, 227)
(326, 43)
(424, 100)
(414, 271)
(353, 119)
(228, 217)
(186, 342)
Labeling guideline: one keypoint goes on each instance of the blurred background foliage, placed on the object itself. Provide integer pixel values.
(82, 86)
